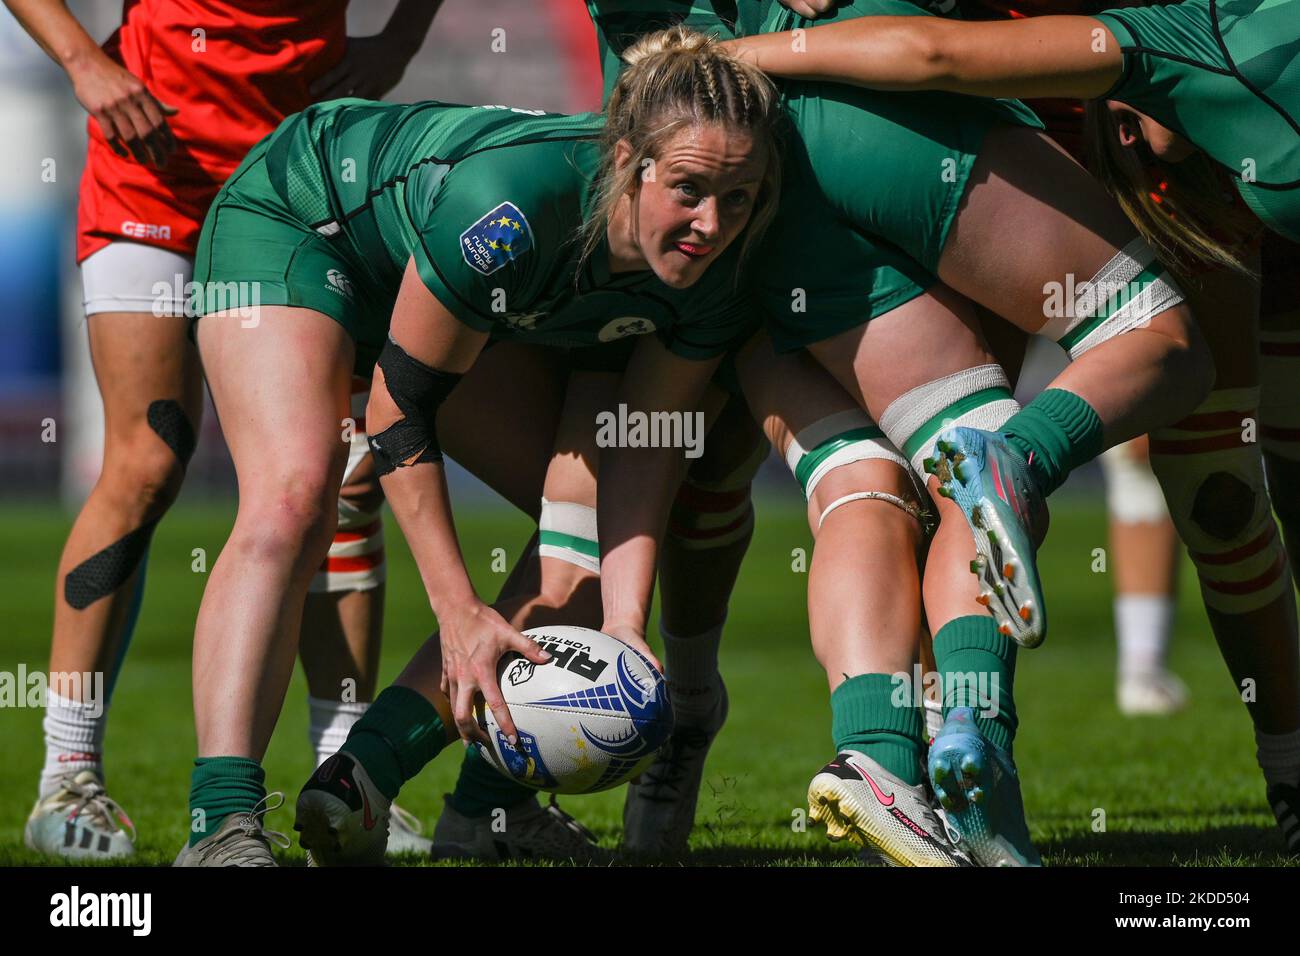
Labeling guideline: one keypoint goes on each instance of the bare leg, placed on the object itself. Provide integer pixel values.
(282, 421)
(148, 376)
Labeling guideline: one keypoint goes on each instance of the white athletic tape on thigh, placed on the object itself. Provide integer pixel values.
(1133, 495)
(894, 500)
(133, 277)
(1200, 461)
(834, 441)
(567, 532)
(977, 397)
(1279, 404)
(1126, 294)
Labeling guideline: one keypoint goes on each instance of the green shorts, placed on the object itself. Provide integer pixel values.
(872, 185)
(253, 251)
(818, 276)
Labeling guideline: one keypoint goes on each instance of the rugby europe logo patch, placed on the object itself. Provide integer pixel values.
(501, 236)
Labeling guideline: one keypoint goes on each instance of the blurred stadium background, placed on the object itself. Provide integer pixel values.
(1184, 790)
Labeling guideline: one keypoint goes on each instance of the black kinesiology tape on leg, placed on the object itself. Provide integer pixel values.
(170, 423)
(103, 573)
(418, 391)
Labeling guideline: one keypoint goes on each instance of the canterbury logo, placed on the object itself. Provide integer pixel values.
(621, 328)
(339, 283)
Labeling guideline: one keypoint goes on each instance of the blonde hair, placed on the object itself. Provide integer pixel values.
(1186, 213)
(674, 79)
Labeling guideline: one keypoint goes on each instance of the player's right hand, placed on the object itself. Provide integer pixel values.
(474, 639)
(131, 119)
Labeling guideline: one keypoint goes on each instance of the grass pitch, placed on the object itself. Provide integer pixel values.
(1099, 789)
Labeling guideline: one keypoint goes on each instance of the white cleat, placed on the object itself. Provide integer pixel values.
(1155, 693)
(659, 811)
(859, 800)
(342, 817)
(527, 831)
(80, 821)
(406, 833)
(242, 840)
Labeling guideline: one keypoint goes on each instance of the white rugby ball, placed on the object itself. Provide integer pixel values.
(589, 719)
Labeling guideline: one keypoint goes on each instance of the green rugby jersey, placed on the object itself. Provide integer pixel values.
(619, 23)
(490, 202)
(1225, 74)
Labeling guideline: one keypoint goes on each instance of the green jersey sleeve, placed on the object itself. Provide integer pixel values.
(1224, 75)
(491, 228)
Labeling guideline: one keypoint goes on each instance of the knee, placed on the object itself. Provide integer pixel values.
(143, 476)
(1214, 484)
(1224, 506)
(886, 491)
(289, 517)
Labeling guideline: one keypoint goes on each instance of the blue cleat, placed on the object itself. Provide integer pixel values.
(977, 785)
(996, 492)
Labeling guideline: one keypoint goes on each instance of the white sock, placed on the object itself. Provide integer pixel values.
(691, 667)
(331, 720)
(1279, 757)
(1142, 626)
(74, 739)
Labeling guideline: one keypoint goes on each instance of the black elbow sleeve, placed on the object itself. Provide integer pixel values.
(418, 391)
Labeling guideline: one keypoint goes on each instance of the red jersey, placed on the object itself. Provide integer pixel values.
(233, 71)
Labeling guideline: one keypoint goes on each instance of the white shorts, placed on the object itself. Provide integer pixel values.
(133, 277)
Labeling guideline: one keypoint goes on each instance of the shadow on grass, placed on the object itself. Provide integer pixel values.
(1238, 845)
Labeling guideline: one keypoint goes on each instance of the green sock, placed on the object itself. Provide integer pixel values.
(399, 733)
(866, 718)
(482, 788)
(977, 666)
(1056, 433)
(220, 786)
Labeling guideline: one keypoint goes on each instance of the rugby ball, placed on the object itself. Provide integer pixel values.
(589, 719)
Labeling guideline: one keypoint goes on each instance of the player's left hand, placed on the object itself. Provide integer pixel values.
(634, 638)
(371, 66)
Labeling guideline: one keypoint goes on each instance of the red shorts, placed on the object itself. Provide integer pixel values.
(122, 200)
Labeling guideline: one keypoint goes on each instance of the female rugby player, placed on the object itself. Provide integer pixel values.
(1199, 141)
(403, 236)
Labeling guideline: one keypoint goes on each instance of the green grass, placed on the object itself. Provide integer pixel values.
(1181, 791)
